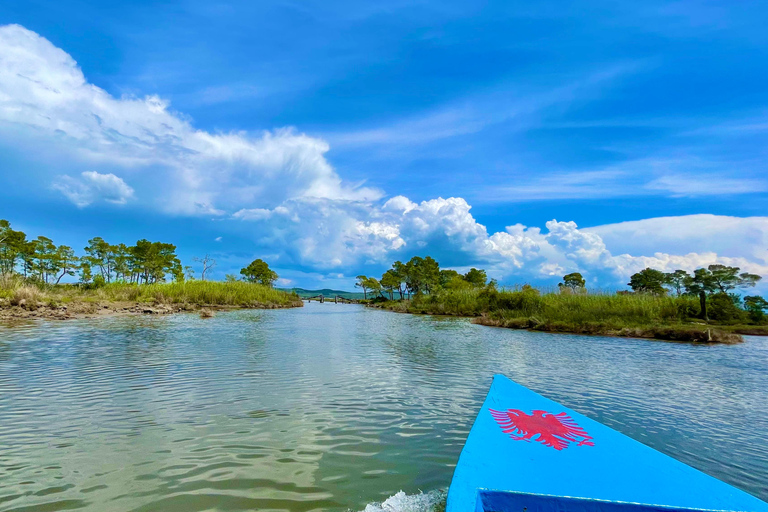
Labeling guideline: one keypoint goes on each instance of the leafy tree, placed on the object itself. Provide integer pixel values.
(390, 281)
(648, 280)
(45, 264)
(721, 279)
(5, 230)
(259, 272)
(152, 260)
(430, 273)
(447, 276)
(411, 277)
(458, 283)
(476, 278)
(163, 259)
(100, 254)
(230, 278)
(374, 285)
(190, 273)
(362, 282)
(573, 281)
(728, 278)
(11, 246)
(422, 275)
(676, 280)
(756, 306)
(27, 257)
(65, 261)
(399, 270)
(122, 262)
(85, 272)
(701, 283)
(177, 271)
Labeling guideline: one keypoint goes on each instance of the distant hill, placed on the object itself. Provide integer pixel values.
(325, 292)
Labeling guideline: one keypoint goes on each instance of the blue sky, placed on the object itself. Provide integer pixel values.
(284, 128)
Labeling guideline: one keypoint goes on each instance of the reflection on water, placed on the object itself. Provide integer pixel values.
(332, 407)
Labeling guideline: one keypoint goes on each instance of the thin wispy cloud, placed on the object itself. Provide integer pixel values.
(698, 185)
(645, 177)
(558, 186)
(227, 93)
(523, 106)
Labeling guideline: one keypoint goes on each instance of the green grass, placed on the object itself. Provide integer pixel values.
(573, 308)
(197, 292)
(190, 292)
(636, 315)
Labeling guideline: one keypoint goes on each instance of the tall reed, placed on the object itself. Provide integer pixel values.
(188, 292)
(634, 309)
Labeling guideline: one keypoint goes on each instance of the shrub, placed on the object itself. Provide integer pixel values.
(722, 308)
(26, 295)
(688, 308)
(756, 306)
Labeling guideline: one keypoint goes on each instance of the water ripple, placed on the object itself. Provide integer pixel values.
(332, 407)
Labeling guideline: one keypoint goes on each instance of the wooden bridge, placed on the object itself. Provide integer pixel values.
(336, 299)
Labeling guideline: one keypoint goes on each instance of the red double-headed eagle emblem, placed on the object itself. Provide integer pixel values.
(555, 430)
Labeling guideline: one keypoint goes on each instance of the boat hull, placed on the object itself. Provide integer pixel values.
(528, 453)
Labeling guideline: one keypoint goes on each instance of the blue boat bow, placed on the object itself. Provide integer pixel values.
(528, 453)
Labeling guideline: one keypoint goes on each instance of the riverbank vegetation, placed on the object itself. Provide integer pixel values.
(16, 290)
(38, 278)
(702, 306)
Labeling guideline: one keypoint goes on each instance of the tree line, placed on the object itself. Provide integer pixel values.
(716, 282)
(715, 285)
(418, 276)
(424, 276)
(40, 260)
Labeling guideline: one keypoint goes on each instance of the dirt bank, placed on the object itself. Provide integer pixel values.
(75, 310)
(698, 334)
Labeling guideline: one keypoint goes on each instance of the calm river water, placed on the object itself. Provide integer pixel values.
(332, 407)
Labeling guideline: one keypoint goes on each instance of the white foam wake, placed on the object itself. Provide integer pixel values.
(432, 501)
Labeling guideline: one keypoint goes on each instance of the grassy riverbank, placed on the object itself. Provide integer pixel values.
(20, 299)
(632, 315)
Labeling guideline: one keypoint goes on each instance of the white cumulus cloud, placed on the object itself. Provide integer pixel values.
(91, 187)
(325, 234)
(44, 97)
(722, 234)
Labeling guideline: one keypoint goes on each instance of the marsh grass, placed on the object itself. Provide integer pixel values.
(197, 292)
(566, 307)
(190, 292)
(637, 315)
(25, 294)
